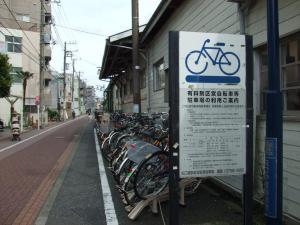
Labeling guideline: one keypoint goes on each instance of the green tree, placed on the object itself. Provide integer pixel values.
(24, 76)
(5, 77)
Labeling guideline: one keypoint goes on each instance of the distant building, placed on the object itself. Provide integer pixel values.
(90, 98)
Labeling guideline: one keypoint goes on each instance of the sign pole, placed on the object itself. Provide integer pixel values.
(273, 150)
(248, 177)
(38, 108)
(174, 128)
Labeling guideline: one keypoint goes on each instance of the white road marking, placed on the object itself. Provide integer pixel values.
(109, 208)
(20, 142)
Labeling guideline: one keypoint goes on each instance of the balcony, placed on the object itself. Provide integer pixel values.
(47, 8)
(47, 29)
(46, 38)
(47, 76)
(47, 54)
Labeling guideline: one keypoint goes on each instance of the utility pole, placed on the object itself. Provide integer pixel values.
(73, 76)
(135, 57)
(42, 65)
(65, 83)
(79, 97)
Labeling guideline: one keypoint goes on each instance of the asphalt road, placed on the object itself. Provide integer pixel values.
(29, 169)
(53, 179)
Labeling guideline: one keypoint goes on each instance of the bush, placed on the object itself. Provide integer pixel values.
(53, 115)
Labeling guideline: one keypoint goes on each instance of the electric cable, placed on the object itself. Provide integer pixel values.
(59, 15)
(82, 31)
(66, 19)
(58, 37)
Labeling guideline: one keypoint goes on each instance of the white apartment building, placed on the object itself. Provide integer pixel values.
(20, 40)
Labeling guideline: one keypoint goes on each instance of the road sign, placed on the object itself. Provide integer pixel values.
(271, 177)
(37, 100)
(209, 110)
(212, 104)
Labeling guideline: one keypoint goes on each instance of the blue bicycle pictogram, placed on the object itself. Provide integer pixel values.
(197, 62)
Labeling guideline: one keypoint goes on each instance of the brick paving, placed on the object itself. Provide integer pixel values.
(27, 176)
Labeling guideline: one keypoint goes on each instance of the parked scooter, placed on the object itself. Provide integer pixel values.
(1, 125)
(15, 128)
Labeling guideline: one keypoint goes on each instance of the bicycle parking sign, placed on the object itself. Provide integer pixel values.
(212, 104)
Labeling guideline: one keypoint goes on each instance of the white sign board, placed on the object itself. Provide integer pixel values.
(212, 104)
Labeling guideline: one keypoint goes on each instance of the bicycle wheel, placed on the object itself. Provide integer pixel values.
(124, 168)
(128, 188)
(196, 64)
(113, 139)
(105, 149)
(229, 63)
(152, 175)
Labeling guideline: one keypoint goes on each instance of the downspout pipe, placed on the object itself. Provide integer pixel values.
(148, 83)
(241, 12)
(242, 9)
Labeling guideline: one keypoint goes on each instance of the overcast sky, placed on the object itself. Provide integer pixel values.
(104, 17)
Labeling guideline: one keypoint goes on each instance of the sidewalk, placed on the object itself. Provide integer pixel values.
(6, 134)
(76, 198)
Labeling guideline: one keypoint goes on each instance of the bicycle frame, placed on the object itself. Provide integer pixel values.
(213, 60)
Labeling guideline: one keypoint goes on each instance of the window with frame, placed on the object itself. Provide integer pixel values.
(159, 75)
(13, 44)
(23, 17)
(166, 91)
(14, 74)
(289, 72)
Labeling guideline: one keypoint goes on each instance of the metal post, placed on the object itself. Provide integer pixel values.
(135, 58)
(42, 63)
(248, 177)
(64, 105)
(38, 111)
(174, 129)
(273, 151)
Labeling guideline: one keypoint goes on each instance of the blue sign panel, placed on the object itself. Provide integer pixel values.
(197, 62)
(271, 177)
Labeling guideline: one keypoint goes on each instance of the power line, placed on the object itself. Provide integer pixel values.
(58, 37)
(60, 16)
(67, 20)
(20, 26)
(94, 64)
(82, 31)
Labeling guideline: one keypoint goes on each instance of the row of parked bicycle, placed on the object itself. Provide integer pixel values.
(136, 149)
